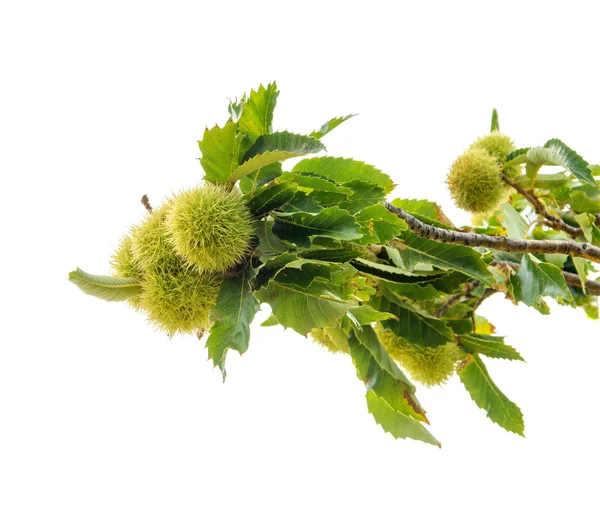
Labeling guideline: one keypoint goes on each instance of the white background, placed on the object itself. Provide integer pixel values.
(106, 423)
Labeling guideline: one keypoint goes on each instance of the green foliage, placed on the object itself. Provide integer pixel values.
(572, 161)
(495, 121)
(252, 181)
(256, 118)
(271, 198)
(390, 395)
(410, 251)
(535, 280)
(301, 298)
(345, 170)
(219, 148)
(328, 126)
(476, 379)
(515, 224)
(331, 222)
(492, 346)
(553, 152)
(415, 325)
(400, 425)
(474, 181)
(276, 147)
(379, 225)
(423, 209)
(316, 242)
(586, 200)
(232, 315)
(107, 288)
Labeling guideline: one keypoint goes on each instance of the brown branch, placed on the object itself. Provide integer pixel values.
(486, 294)
(551, 220)
(597, 219)
(146, 203)
(456, 297)
(508, 244)
(593, 287)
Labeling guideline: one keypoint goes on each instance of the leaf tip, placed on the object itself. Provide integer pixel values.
(495, 122)
(219, 366)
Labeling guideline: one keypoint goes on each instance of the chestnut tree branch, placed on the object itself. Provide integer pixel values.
(508, 244)
(486, 294)
(593, 287)
(456, 298)
(551, 220)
